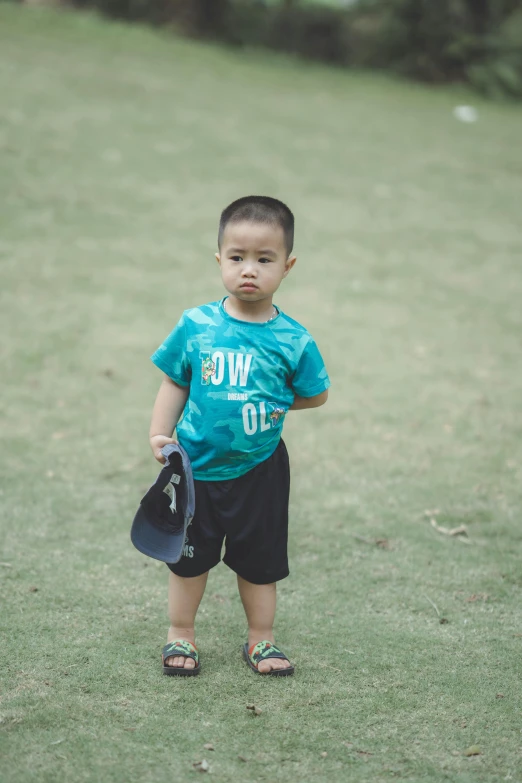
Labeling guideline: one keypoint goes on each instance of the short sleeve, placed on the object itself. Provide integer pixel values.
(310, 377)
(171, 356)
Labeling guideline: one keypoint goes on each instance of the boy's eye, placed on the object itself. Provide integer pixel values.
(265, 260)
(236, 258)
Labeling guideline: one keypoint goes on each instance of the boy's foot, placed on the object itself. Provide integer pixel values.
(180, 662)
(265, 658)
(184, 660)
(272, 664)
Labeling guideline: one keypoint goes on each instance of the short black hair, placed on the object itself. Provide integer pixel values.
(259, 209)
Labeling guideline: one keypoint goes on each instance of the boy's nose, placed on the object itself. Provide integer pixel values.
(249, 270)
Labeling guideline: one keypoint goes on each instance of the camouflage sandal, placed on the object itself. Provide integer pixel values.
(187, 650)
(262, 652)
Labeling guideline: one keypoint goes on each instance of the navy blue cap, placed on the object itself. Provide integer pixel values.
(160, 525)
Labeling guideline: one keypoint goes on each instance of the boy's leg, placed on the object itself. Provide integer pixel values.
(185, 594)
(259, 602)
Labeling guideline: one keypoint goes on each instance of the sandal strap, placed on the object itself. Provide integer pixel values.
(181, 647)
(264, 650)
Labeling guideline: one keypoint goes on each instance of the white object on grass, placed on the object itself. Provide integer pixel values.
(465, 113)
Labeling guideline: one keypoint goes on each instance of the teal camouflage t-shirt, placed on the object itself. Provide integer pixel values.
(243, 377)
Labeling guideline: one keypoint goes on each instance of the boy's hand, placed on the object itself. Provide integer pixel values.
(156, 443)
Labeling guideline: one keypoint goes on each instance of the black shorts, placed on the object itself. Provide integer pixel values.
(250, 514)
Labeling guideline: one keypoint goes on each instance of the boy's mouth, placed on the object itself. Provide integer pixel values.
(248, 287)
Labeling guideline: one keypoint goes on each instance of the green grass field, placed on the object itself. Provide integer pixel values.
(119, 146)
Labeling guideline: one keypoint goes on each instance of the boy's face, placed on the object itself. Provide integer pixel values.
(253, 260)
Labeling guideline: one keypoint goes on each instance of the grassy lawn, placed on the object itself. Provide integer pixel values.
(118, 148)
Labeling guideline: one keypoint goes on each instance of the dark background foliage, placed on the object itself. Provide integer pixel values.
(475, 41)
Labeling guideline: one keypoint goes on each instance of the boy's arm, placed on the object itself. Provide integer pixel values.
(168, 408)
(301, 403)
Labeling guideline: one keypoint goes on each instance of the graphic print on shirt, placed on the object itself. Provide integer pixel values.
(258, 418)
(220, 367)
(208, 368)
(233, 368)
(275, 415)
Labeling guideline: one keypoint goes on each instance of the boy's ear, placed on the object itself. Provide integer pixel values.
(218, 259)
(289, 263)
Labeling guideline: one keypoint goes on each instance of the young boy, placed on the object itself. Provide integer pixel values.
(234, 368)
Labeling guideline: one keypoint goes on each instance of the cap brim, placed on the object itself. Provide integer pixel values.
(167, 547)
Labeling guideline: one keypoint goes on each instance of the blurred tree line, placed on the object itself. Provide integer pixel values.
(474, 41)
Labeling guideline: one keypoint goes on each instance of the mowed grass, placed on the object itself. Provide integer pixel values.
(119, 147)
